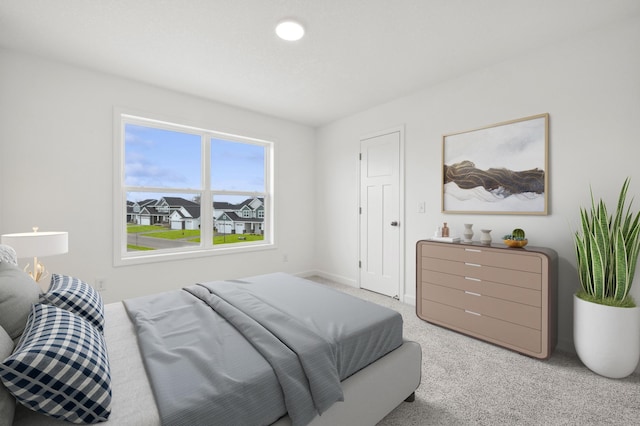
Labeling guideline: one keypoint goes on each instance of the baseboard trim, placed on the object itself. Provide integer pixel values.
(409, 299)
(565, 345)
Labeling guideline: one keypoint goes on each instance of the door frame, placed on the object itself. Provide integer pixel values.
(401, 209)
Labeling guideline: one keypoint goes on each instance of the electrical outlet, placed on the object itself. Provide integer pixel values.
(101, 284)
(285, 257)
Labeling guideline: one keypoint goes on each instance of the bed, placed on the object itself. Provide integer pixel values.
(376, 369)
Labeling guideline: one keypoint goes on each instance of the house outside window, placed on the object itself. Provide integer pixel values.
(183, 191)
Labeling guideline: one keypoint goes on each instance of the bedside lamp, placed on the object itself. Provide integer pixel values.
(35, 244)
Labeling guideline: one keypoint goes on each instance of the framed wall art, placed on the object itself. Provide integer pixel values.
(497, 169)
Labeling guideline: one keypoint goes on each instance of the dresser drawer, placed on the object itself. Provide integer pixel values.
(486, 288)
(472, 271)
(484, 327)
(510, 258)
(528, 316)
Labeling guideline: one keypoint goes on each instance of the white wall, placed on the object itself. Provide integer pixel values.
(56, 172)
(590, 86)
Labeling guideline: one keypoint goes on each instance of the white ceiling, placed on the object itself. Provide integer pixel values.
(356, 53)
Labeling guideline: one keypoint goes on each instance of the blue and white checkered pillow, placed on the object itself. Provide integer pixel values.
(60, 367)
(75, 296)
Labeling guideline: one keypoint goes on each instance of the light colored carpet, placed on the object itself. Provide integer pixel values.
(469, 382)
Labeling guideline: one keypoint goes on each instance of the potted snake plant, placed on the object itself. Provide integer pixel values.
(606, 320)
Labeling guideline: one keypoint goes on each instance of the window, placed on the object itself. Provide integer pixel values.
(183, 191)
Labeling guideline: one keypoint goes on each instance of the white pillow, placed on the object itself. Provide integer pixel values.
(8, 255)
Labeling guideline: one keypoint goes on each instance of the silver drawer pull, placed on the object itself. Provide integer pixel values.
(472, 293)
(473, 250)
(472, 264)
(473, 313)
(472, 279)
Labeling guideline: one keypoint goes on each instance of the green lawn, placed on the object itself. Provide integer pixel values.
(131, 247)
(135, 229)
(187, 234)
(235, 238)
(175, 234)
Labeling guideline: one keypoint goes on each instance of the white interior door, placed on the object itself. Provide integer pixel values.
(380, 226)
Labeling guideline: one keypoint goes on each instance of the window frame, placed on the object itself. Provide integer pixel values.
(121, 256)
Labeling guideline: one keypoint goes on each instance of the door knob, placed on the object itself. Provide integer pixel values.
(394, 223)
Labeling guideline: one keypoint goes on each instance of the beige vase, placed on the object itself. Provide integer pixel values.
(606, 338)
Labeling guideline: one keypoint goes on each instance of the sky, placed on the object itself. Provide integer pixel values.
(171, 159)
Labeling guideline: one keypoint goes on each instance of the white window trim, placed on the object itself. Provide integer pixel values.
(120, 255)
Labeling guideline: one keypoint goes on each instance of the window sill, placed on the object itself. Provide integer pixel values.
(164, 256)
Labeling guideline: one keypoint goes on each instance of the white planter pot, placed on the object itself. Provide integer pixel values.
(607, 339)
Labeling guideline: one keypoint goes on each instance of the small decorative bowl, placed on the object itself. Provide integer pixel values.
(516, 243)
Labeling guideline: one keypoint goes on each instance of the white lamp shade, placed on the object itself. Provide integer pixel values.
(36, 244)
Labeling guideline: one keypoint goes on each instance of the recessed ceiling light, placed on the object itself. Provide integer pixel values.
(290, 30)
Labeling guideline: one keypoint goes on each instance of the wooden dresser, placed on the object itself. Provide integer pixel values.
(502, 295)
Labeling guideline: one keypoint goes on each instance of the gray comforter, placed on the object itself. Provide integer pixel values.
(247, 352)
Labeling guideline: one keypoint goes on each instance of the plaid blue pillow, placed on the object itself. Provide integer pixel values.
(76, 296)
(60, 367)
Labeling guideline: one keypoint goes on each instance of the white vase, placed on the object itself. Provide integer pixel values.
(606, 338)
(468, 233)
(485, 238)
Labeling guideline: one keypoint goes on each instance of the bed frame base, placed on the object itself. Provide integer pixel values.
(375, 391)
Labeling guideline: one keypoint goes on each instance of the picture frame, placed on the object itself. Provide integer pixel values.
(497, 169)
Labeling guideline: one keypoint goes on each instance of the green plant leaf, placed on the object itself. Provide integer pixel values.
(620, 206)
(633, 244)
(622, 279)
(597, 267)
(583, 265)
